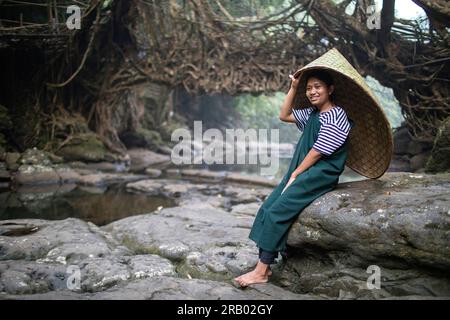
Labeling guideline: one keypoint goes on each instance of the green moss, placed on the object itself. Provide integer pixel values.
(85, 148)
(151, 137)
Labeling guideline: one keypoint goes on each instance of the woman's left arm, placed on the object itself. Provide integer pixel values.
(311, 158)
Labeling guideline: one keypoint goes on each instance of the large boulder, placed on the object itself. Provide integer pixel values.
(399, 223)
(88, 148)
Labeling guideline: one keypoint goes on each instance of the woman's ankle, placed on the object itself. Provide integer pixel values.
(262, 268)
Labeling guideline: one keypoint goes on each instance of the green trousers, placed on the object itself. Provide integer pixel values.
(279, 211)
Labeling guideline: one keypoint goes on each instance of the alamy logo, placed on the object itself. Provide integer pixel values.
(74, 280)
(74, 20)
(374, 280)
(374, 17)
(210, 147)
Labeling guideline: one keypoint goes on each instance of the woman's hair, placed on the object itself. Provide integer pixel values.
(322, 75)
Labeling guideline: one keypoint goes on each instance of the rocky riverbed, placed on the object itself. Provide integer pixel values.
(397, 226)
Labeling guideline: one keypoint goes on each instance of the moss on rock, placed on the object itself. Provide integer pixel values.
(87, 147)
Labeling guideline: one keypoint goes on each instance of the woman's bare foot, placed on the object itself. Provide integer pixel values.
(259, 275)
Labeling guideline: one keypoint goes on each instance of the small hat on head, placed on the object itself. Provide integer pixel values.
(370, 140)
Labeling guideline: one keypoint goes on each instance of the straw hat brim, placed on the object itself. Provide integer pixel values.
(370, 140)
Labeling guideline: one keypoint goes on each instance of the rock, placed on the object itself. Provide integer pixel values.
(227, 177)
(86, 148)
(164, 150)
(36, 174)
(248, 209)
(35, 157)
(104, 179)
(399, 222)
(381, 219)
(67, 174)
(169, 288)
(54, 158)
(142, 159)
(153, 173)
(141, 138)
(202, 201)
(399, 164)
(17, 229)
(255, 180)
(29, 277)
(98, 274)
(149, 186)
(66, 241)
(439, 160)
(246, 195)
(106, 166)
(4, 174)
(419, 160)
(203, 174)
(203, 228)
(149, 265)
(177, 189)
(173, 188)
(417, 147)
(11, 159)
(402, 138)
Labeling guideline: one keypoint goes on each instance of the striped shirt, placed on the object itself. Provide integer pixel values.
(334, 128)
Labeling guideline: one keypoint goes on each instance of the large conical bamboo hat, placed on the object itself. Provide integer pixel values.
(370, 139)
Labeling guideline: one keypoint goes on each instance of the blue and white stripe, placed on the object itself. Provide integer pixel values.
(301, 117)
(334, 128)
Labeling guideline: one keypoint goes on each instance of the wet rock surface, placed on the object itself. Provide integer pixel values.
(193, 250)
(399, 224)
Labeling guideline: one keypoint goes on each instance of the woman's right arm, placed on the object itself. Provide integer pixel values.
(286, 109)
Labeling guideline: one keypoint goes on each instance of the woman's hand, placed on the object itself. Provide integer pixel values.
(294, 82)
(288, 184)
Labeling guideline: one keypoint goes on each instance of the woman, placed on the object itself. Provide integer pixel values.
(318, 161)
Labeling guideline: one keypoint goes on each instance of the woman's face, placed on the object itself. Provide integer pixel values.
(318, 92)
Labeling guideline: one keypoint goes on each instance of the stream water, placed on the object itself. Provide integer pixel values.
(97, 205)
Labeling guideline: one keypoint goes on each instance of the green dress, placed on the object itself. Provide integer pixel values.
(279, 211)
